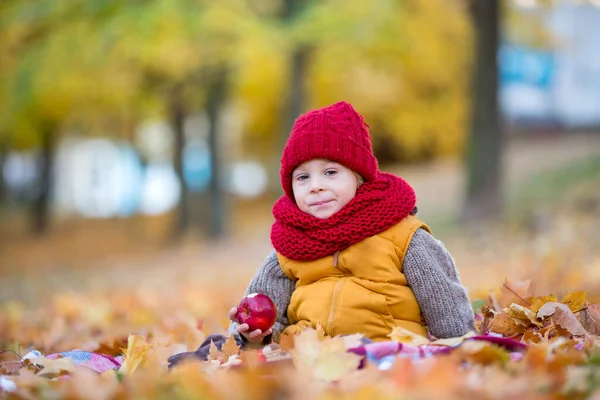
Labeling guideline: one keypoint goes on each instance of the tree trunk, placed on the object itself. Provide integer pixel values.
(216, 95)
(484, 196)
(177, 115)
(296, 100)
(3, 155)
(40, 211)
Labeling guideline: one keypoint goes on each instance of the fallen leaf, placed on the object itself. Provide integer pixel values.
(589, 318)
(522, 315)
(325, 359)
(485, 353)
(455, 341)
(562, 316)
(538, 302)
(230, 347)
(53, 368)
(403, 335)
(516, 292)
(575, 300)
(135, 354)
(214, 353)
(505, 325)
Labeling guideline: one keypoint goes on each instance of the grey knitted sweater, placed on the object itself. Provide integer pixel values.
(430, 273)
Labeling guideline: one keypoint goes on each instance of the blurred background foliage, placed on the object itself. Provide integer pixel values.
(132, 121)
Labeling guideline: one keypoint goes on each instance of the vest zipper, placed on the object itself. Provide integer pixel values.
(334, 300)
(335, 259)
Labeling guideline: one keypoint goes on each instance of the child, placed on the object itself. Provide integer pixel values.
(350, 254)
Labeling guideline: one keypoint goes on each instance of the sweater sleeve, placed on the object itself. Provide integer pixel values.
(435, 281)
(271, 281)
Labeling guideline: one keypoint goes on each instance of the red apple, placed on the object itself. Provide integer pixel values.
(258, 311)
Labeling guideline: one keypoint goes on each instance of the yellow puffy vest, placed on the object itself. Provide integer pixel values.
(357, 290)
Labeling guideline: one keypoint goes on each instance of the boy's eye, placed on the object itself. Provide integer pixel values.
(330, 172)
(302, 177)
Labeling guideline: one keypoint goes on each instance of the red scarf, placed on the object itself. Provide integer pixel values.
(377, 206)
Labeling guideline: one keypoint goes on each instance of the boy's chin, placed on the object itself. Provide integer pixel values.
(324, 214)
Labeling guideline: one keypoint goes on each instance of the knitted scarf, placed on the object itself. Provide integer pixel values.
(377, 206)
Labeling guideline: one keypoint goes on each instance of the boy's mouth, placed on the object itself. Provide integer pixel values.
(320, 203)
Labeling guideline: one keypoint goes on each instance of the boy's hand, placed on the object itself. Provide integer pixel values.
(257, 336)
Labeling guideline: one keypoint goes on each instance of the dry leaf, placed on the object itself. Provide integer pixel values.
(403, 335)
(575, 300)
(587, 318)
(485, 353)
(452, 342)
(214, 353)
(538, 302)
(505, 325)
(522, 315)
(135, 354)
(516, 292)
(351, 341)
(53, 368)
(286, 342)
(325, 359)
(230, 348)
(562, 316)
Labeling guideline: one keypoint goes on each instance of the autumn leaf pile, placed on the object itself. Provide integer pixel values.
(556, 329)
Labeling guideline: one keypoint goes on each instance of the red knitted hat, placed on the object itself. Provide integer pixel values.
(336, 132)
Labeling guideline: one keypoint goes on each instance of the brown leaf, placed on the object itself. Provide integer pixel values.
(590, 319)
(562, 316)
(505, 325)
(10, 367)
(230, 348)
(112, 347)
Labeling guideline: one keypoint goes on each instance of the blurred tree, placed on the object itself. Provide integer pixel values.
(484, 196)
(49, 76)
(391, 59)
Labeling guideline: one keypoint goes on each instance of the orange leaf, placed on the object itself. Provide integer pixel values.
(516, 292)
(505, 325)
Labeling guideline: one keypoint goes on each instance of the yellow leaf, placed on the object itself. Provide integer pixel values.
(522, 315)
(214, 353)
(325, 359)
(538, 302)
(53, 368)
(402, 335)
(455, 341)
(575, 300)
(230, 348)
(484, 353)
(135, 355)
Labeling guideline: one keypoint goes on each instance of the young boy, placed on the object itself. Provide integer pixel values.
(350, 254)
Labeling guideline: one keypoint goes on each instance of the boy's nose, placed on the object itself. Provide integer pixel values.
(316, 186)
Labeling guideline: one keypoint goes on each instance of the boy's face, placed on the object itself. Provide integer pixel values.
(322, 187)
